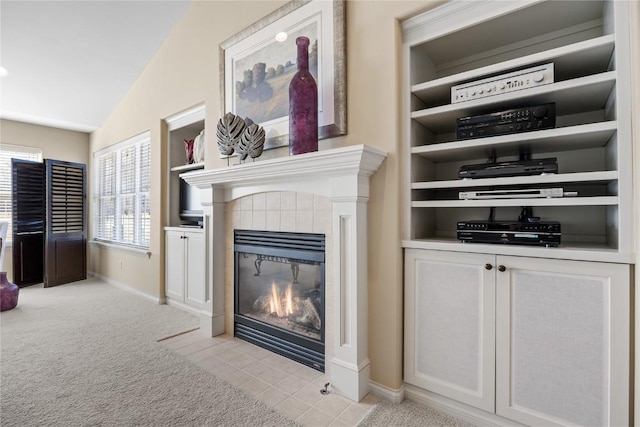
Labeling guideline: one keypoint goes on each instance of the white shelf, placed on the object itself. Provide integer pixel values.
(564, 201)
(572, 96)
(587, 57)
(572, 251)
(189, 167)
(585, 177)
(559, 139)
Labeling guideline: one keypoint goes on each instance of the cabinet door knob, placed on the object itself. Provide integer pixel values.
(502, 268)
(488, 266)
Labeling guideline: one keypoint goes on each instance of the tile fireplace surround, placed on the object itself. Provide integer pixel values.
(323, 192)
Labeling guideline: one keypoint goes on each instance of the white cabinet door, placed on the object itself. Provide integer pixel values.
(563, 342)
(196, 268)
(450, 325)
(174, 264)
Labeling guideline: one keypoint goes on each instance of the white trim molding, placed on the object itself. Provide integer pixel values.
(455, 408)
(126, 288)
(386, 393)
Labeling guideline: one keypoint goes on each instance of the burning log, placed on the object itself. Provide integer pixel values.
(284, 305)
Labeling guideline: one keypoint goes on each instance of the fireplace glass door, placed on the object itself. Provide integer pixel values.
(279, 293)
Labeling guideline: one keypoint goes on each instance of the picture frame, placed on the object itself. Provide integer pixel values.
(255, 51)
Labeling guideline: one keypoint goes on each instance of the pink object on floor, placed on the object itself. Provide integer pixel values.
(8, 293)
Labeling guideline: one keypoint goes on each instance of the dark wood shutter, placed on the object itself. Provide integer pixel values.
(28, 214)
(66, 237)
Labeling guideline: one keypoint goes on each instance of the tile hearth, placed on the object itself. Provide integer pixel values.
(287, 386)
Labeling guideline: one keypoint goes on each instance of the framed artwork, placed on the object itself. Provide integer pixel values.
(257, 64)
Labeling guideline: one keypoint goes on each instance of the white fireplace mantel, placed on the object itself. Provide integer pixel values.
(293, 172)
(340, 174)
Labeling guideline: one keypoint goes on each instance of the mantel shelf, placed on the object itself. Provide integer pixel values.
(358, 160)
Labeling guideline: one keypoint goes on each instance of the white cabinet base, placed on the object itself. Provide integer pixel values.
(450, 325)
(185, 268)
(556, 334)
(562, 334)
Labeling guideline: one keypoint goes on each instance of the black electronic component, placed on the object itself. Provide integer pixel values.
(191, 211)
(538, 233)
(514, 168)
(524, 119)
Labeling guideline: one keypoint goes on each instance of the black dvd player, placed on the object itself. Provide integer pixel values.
(540, 233)
(514, 168)
(516, 120)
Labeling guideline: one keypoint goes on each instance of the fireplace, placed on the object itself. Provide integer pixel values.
(341, 175)
(279, 296)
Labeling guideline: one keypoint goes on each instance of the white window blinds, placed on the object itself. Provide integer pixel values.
(121, 199)
(8, 152)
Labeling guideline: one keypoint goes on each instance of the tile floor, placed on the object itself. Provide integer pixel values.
(290, 387)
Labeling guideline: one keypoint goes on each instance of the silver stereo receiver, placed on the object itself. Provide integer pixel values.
(505, 83)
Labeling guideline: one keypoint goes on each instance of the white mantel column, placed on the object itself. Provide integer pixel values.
(212, 319)
(349, 364)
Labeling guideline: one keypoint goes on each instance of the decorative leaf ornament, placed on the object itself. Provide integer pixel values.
(253, 138)
(229, 131)
(243, 146)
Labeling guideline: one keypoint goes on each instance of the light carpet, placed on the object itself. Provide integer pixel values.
(408, 414)
(86, 354)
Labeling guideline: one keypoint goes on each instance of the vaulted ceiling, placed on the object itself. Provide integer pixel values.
(69, 63)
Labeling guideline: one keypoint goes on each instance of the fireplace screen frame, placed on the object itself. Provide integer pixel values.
(302, 247)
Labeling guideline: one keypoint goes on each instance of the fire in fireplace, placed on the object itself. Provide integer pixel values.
(279, 293)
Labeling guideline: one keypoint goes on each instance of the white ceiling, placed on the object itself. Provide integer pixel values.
(71, 62)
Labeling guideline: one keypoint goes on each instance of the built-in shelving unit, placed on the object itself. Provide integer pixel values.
(511, 333)
(181, 126)
(185, 239)
(587, 43)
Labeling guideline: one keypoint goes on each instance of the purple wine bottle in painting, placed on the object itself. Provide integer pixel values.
(303, 105)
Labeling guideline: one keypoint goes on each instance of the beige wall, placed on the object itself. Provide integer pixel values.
(58, 144)
(184, 73)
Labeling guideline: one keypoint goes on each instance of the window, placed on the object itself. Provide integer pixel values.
(8, 152)
(121, 197)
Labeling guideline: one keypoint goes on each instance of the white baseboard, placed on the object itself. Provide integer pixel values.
(456, 409)
(183, 307)
(386, 393)
(127, 288)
